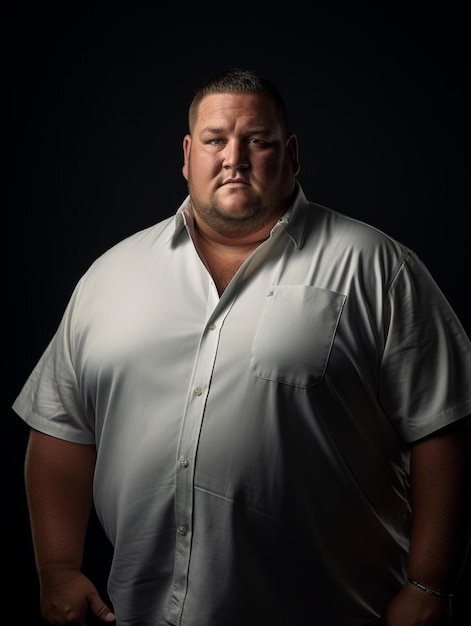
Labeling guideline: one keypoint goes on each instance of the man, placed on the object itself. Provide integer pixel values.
(268, 397)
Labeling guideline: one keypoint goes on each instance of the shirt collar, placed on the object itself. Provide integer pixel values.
(183, 217)
(293, 221)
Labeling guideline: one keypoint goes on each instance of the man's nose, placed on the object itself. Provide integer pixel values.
(235, 155)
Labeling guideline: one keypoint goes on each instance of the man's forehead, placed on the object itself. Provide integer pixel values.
(215, 109)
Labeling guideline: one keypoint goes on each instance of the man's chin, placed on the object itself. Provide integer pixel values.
(237, 203)
(236, 213)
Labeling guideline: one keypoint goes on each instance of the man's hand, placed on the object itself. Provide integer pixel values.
(414, 607)
(68, 598)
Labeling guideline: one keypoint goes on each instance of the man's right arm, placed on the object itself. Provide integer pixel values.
(59, 487)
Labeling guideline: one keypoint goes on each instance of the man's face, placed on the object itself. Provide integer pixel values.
(239, 164)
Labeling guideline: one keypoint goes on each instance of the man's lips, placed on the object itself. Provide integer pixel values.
(234, 181)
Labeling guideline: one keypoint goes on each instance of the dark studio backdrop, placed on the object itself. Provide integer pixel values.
(95, 97)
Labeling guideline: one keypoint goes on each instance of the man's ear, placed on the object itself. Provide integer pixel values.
(293, 153)
(186, 154)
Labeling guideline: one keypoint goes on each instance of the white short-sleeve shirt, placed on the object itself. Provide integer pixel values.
(252, 449)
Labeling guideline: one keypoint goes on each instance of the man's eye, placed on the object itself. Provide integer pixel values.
(215, 142)
(255, 141)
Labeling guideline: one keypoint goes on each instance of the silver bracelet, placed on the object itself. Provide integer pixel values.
(431, 592)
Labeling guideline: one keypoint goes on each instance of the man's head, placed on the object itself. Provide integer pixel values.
(239, 158)
(235, 80)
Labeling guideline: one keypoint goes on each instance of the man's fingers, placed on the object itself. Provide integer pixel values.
(101, 610)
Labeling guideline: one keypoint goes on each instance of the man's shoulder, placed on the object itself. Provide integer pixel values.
(341, 229)
(141, 241)
(131, 254)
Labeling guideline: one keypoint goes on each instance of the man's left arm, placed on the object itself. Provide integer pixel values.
(441, 527)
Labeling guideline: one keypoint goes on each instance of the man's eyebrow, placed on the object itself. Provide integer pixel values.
(216, 130)
(211, 130)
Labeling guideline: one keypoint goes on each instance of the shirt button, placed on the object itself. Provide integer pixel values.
(212, 326)
(182, 530)
(184, 462)
(270, 293)
(197, 391)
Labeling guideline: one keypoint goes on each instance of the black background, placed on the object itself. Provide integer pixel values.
(95, 97)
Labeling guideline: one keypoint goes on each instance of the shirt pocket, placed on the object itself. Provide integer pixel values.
(295, 333)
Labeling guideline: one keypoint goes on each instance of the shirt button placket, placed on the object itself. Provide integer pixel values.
(185, 469)
(182, 530)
